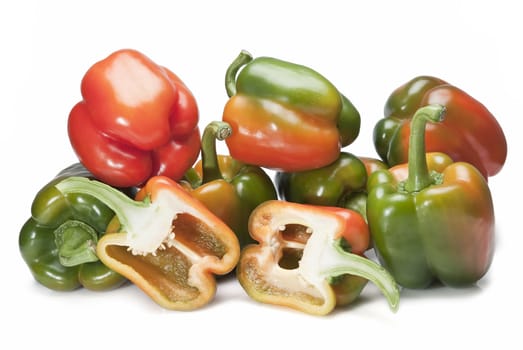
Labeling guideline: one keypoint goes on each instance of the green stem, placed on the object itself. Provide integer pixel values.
(341, 262)
(123, 206)
(230, 75)
(76, 243)
(419, 176)
(216, 130)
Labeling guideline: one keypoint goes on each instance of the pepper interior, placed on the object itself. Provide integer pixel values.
(168, 269)
(295, 237)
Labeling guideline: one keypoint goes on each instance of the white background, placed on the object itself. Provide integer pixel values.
(365, 48)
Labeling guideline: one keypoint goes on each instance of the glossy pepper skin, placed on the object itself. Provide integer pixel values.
(431, 219)
(342, 183)
(307, 258)
(469, 133)
(136, 120)
(285, 116)
(169, 244)
(58, 241)
(229, 188)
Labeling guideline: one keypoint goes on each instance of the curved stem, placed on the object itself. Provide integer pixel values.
(124, 207)
(419, 176)
(342, 262)
(216, 130)
(230, 75)
(76, 242)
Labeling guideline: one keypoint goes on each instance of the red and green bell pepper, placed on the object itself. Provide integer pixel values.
(285, 116)
(469, 133)
(58, 242)
(431, 219)
(169, 244)
(229, 188)
(136, 120)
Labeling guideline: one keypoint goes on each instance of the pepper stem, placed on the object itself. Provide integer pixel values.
(123, 206)
(215, 130)
(230, 75)
(342, 262)
(419, 176)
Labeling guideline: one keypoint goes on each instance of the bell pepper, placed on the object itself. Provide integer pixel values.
(431, 219)
(58, 241)
(342, 183)
(229, 188)
(169, 244)
(303, 254)
(469, 133)
(285, 116)
(136, 120)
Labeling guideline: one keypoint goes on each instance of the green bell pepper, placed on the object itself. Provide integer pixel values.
(343, 183)
(58, 242)
(431, 219)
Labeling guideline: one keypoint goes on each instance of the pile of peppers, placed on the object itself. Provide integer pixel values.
(150, 202)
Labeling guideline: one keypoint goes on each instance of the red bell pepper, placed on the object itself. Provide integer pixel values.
(136, 120)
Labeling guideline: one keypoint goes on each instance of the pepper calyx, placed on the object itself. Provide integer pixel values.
(76, 243)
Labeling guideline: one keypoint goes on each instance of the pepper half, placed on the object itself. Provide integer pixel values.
(469, 133)
(285, 116)
(302, 252)
(431, 219)
(169, 245)
(58, 242)
(136, 120)
(229, 188)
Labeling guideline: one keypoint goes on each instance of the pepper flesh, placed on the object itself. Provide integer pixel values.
(469, 133)
(58, 241)
(299, 253)
(285, 116)
(431, 219)
(169, 245)
(229, 188)
(136, 120)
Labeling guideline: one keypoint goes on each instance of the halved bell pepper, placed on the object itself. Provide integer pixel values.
(136, 120)
(169, 244)
(285, 116)
(469, 133)
(229, 188)
(342, 183)
(431, 219)
(58, 242)
(306, 256)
